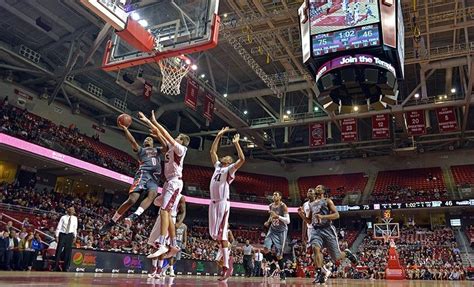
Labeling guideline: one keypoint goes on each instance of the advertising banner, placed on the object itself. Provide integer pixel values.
(86, 260)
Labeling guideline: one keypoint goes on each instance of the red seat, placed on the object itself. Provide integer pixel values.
(338, 185)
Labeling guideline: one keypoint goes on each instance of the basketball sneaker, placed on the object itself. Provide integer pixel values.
(351, 256)
(105, 229)
(173, 250)
(153, 272)
(318, 277)
(327, 274)
(172, 272)
(129, 220)
(282, 275)
(162, 249)
(225, 274)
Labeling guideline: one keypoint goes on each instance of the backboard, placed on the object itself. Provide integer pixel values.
(150, 30)
(386, 230)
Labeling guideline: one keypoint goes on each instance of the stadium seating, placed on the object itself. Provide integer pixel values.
(338, 185)
(409, 185)
(463, 174)
(244, 183)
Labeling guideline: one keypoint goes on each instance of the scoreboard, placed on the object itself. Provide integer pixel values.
(354, 38)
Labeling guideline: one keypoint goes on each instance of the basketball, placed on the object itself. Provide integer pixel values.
(125, 120)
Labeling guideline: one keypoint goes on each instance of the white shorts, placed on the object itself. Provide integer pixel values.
(219, 219)
(308, 233)
(171, 190)
(156, 231)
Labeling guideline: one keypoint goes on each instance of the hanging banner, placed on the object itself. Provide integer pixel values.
(447, 121)
(147, 90)
(208, 106)
(192, 89)
(317, 134)
(381, 126)
(416, 123)
(349, 130)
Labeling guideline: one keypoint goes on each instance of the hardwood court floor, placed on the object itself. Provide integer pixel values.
(126, 280)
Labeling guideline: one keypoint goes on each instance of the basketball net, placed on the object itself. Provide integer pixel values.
(173, 71)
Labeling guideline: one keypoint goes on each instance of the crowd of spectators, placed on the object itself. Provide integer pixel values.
(91, 217)
(395, 193)
(68, 140)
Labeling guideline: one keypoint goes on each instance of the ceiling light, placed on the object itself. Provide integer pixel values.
(245, 138)
(288, 112)
(203, 76)
(135, 16)
(225, 95)
(356, 108)
(453, 90)
(417, 96)
(440, 97)
(187, 61)
(143, 23)
(194, 67)
(445, 96)
(246, 112)
(316, 109)
(225, 15)
(285, 117)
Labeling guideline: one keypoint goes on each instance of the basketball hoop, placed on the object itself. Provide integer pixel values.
(173, 71)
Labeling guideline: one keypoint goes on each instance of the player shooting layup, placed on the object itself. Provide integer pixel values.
(146, 178)
(219, 207)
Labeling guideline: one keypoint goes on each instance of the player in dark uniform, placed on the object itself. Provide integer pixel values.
(277, 225)
(147, 179)
(322, 213)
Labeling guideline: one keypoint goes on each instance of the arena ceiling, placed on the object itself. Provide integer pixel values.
(258, 65)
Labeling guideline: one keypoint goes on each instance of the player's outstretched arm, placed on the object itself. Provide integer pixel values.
(162, 130)
(154, 132)
(130, 137)
(215, 145)
(240, 152)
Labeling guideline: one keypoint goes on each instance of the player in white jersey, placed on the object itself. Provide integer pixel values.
(219, 207)
(307, 228)
(174, 159)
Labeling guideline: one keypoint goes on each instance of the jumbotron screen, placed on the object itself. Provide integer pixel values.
(333, 15)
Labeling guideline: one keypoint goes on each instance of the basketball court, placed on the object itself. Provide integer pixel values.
(88, 279)
(304, 82)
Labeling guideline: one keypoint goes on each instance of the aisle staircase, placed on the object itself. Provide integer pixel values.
(294, 190)
(369, 187)
(358, 241)
(450, 183)
(467, 253)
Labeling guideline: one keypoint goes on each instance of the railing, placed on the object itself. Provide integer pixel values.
(19, 222)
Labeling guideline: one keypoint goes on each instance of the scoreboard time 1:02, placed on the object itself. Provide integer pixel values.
(359, 37)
